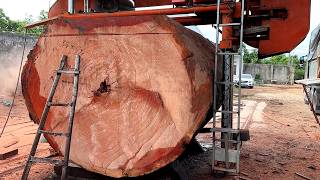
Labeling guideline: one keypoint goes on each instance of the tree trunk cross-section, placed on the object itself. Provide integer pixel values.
(145, 89)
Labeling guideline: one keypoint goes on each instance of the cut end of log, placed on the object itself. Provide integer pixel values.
(145, 89)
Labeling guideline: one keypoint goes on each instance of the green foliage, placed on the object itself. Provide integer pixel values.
(4, 20)
(250, 57)
(279, 59)
(299, 74)
(8, 25)
(287, 60)
(257, 77)
(43, 15)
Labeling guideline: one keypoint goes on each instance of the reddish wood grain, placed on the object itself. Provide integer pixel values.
(161, 90)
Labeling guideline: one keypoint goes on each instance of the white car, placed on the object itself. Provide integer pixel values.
(246, 80)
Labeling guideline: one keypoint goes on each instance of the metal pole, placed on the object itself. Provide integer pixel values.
(86, 6)
(226, 120)
(240, 61)
(239, 90)
(214, 83)
(71, 6)
(227, 95)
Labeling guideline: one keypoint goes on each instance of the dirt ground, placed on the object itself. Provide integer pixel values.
(20, 127)
(285, 140)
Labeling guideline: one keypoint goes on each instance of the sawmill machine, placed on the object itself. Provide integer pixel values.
(272, 26)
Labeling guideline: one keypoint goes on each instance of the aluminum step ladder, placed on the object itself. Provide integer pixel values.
(226, 138)
(32, 159)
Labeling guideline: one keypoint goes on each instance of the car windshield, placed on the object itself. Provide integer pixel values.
(246, 76)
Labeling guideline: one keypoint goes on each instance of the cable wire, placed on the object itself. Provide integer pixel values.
(17, 84)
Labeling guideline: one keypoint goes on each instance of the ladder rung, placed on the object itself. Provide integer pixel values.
(226, 130)
(224, 169)
(54, 133)
(46, 160)
(226, 140)
(228, 53)
(69, 69)
(67, 72)
(227, 83)
(229, 112)
(59, 104)
(227, 24)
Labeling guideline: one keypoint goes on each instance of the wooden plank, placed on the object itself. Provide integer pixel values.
(6, 153)
(309, 82)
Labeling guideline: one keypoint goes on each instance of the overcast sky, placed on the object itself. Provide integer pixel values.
(20, 9)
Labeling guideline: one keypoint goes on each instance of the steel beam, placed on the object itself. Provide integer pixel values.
(169, 11)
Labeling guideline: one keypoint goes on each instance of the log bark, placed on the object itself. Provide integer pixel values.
(145, 89)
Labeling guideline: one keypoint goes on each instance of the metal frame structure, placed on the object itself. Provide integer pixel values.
(226, 149)
(262, 22)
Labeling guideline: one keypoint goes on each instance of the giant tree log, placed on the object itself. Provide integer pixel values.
(145, 89)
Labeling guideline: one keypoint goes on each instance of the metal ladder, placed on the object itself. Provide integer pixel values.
(32, 159)
(226, 138)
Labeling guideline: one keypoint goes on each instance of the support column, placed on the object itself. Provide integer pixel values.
(86, 6)
(71, 6)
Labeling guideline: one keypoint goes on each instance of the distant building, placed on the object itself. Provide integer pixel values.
(313, 60)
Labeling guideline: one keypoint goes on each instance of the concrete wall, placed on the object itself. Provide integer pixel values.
(11, 48)
(280, 74)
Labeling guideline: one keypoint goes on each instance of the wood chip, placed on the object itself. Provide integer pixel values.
(263, 154)
(244, 178)
(243, 173)
(303, 176)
